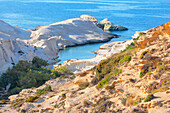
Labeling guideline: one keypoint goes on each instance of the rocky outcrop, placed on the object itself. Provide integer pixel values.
(7, 32)
(109, 26)
(162, 31)
(88, 17)
(71, 32)
(11, 51)
(105, 24)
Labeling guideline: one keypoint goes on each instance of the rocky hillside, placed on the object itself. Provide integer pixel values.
(135, 80)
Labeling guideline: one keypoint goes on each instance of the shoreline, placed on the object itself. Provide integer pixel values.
(82, 65)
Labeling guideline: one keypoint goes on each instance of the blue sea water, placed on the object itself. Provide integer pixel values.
(136, 15)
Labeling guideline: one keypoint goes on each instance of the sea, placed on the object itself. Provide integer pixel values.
(136, 15)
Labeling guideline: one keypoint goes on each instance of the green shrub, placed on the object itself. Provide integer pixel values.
(123, 101)
(130, 47)
(63, 70)
(31, 99)
(141, 75)
(38, 62)
(27, 74)
(149, 98)
(17, 103)
(16, 90)
(101, 105)
(149, 73)
(56, 106)
(44, 90)
(110, 87)
(83, 86)
(126, 58)
(140, 34)
(103, 82)
(140, 100)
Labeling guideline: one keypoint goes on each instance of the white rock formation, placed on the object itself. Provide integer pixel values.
(19, 44)
(88, 17)
(15, 46)
(71, 32)
(7, 32)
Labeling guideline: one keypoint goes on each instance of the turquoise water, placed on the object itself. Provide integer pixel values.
(137, 15)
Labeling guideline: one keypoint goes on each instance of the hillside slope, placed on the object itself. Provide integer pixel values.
(134, 80)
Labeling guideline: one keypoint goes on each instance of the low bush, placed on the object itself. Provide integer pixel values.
(141, 75)
(140, 34)
(149, 98)
(83, 86)
(103, 82)
(130, 47)
(102, 105)
(63, 70)
(31, 99)
(110, 87)
(125, 59)
(38, 62)
(139, 101)
(44, 90)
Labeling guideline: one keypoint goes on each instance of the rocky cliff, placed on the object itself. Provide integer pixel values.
(134, 80)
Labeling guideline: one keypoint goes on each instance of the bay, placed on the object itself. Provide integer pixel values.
(136, 15)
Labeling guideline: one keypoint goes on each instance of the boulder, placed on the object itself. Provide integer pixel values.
(109, 26)
(90, 18)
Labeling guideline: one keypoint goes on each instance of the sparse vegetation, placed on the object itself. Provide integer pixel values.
(110, 65)
(125, 59)
(31, 99)
(149, 73)
(63, 70)
(141, 75)
(149, 98)
(139, 101)
(83, 86)
(103, 82)
(107, 79)
(130, 47)
(102, 105)
(44, 90)
(140, 34)
(17, 103)
(110, 87)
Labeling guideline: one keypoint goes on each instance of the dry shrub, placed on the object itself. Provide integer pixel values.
(130, 101)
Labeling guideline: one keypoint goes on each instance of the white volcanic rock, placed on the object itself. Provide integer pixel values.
(19, 44)
(14, 32)
(15, 46)
(11, 51)
(88, 17)
(71, 32)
